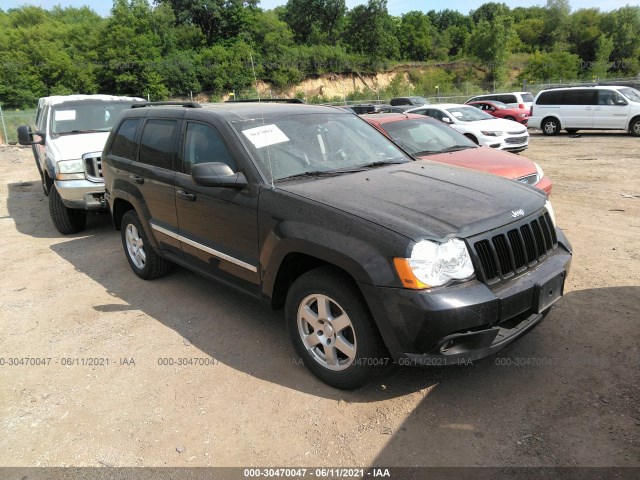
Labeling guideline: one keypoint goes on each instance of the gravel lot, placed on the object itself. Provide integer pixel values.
(567, 394)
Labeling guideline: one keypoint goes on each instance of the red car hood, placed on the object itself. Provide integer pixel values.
(488, 160)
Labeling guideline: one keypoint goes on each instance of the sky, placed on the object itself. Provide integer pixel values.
(395, 7)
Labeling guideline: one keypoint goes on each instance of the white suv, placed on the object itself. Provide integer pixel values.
(513, 99)
(586, 108)
(67, 145)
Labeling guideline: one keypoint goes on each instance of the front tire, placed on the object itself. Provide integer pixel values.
(332, 330)
(550, 126)
(66, 220)
(144, 261)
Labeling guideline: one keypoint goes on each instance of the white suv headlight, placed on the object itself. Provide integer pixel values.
(70, 169)
(434, 264)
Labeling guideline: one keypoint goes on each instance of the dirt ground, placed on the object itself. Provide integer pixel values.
(567, 394)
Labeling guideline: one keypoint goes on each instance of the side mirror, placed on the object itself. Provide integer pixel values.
(25, 136)
(217, 174)
(446, 119)
(620, 102)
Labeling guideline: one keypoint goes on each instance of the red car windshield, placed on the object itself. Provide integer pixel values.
(420, 137)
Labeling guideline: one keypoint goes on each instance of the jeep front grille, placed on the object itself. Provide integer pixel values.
(504, 253)
(93, 166)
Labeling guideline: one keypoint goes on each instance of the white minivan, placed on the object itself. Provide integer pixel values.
(586, 108)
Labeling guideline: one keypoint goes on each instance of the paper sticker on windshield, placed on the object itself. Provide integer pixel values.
(457, 114)
(64, 115)
(265, 136)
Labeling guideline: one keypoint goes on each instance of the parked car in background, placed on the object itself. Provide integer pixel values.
(587, 108)
(415, 101)
(374, 256)
(67, 146)
(513, 99)
(480, 127)
(502, 110)
(429, 139)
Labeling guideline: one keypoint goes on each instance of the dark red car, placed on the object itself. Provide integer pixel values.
(502, 110)
(429, 139)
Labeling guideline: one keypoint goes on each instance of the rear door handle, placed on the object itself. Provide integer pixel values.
(186, 195)
(137, 179)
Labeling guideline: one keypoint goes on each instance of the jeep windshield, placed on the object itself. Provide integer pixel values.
(71, 118)
(316, 144)
(423, 137)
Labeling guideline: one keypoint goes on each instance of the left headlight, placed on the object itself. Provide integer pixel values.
(490, 133)
(434, 264)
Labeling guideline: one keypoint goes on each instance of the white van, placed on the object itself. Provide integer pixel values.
(586, 108)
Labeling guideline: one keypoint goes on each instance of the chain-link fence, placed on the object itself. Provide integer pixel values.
(10, 120)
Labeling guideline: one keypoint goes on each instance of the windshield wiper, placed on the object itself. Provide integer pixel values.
(455, 148)
(74, 132)
(313, 173)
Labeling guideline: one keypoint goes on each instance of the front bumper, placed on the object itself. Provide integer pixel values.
(81, 194)
(465, 322)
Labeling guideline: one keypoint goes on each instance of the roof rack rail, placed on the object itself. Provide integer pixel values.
(267, 100)
(161, 104)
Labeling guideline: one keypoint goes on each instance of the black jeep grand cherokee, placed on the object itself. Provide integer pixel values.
(369, 252)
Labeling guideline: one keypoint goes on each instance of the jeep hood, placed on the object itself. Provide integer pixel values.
(423, 199)
(70, 147)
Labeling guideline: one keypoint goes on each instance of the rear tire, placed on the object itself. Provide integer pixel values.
(634, 128)
(550, 126)
(144, 261)
(332, 330)
(66, 220)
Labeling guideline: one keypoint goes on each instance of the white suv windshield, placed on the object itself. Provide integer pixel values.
(631, 93)
(315, 144)
(85, 117)
(468, 114)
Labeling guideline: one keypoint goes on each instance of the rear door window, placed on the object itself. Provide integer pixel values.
(157, 144)
(123, 140)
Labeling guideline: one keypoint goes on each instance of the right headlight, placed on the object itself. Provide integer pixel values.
(434, 264)
(70, 170)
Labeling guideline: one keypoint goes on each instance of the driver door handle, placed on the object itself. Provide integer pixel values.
(137, 179)
(186, 195)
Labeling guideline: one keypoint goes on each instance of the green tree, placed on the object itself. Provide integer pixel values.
(601, 63)
(556, 25)
(415, 35)
(490, 11)
(315, 21)
(370, 30)
(131, 51)
(623, 27)
(584, 33)
(219, 20)
(543, 67)
(491, 43)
